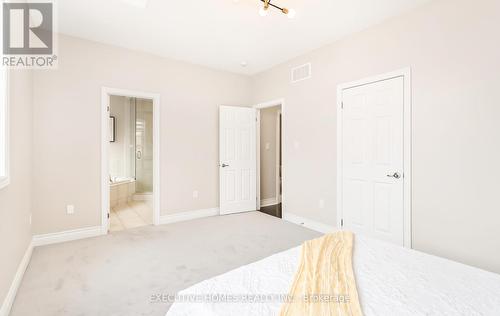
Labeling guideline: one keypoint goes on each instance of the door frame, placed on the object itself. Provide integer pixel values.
(279, 152)
(405, 73)
(106, 93)
(263, 105)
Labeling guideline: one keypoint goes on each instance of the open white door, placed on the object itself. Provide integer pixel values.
(237, 159)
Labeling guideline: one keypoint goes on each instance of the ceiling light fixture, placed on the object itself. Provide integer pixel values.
(267, 3)
(263, 11)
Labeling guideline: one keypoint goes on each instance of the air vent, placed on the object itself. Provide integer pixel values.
(302, 72)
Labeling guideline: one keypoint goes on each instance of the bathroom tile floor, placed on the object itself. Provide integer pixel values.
(130, 215)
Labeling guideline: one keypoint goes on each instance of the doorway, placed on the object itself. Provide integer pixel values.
(374, 157)
(130, 185)
(242, 185)
(270, 162)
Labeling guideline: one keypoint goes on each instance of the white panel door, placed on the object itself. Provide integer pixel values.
(238, 159)
(372, 159)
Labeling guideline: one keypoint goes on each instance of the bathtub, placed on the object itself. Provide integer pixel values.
(121, 190)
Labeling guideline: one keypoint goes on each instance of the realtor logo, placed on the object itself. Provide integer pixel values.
(28, 35)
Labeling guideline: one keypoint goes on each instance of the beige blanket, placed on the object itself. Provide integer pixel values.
(324, 283)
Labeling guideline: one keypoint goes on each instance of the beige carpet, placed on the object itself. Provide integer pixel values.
(118, 273)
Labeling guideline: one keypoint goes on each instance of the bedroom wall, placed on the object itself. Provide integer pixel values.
(452, 47)
(15, 199)
(67, 129)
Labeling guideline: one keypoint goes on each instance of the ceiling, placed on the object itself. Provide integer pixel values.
(223, 34)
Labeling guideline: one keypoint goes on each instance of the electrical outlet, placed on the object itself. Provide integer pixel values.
(70, 209)
(195, 194)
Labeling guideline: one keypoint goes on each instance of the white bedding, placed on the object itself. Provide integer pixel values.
(390, 280)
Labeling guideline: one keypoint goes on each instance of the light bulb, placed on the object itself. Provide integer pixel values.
(263, 11)
(291, 13)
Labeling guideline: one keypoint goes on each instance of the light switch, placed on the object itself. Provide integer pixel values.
(268, 146)
(195, 194)
(296, 144)
(70, 209)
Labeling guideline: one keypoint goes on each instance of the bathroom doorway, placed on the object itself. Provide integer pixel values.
(129, 158)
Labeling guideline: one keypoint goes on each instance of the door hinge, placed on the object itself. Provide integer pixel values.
(108, 108)
(108, 215)
(342, 105)
(342, 223)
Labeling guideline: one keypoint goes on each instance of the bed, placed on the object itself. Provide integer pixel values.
(391, 281)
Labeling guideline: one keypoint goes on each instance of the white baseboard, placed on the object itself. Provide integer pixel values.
(268, 202)
(14, 286)
(40, 240)
(54, 238)
(309, 223)
(189, 215)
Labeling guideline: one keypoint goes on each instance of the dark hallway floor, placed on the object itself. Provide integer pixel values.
(273, 210)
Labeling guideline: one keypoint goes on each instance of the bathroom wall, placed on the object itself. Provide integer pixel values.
(120, 162)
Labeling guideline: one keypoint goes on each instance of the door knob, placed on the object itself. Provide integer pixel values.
(395, 175)
(224, 165)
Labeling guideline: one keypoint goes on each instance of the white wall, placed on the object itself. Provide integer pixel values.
(15, 199)
(67, 129)
(452, 47)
